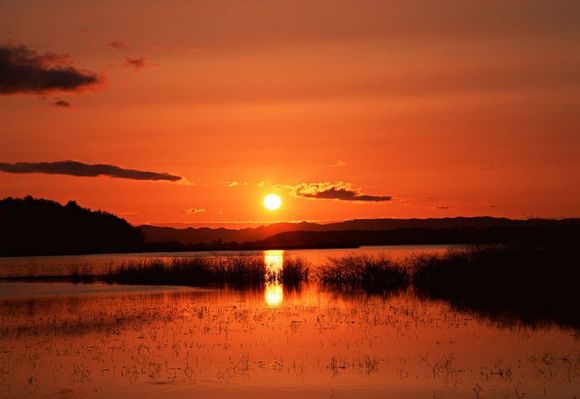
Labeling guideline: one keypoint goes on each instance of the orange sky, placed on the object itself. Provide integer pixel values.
(449, 107)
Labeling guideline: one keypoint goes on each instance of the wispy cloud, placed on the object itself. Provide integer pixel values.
(236, 183)
(334, 191)
(136, 63)
(23, 70)
(60, 103)
(196, 210)
(74, 168)
(119, 45)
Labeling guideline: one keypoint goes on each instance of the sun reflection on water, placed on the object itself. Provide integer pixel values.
(274, 292)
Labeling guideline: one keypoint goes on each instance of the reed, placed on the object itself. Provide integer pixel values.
(366, 273)
(235, 271)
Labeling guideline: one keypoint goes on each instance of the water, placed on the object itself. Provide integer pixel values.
(61, 340)
(101, 264)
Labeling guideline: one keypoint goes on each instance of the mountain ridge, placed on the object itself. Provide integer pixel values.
(191, 235)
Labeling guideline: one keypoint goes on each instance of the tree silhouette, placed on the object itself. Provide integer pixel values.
(32, 226)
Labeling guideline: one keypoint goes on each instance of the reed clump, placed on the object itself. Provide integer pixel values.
(372, 274)
(295, 272)
(235, 271)
(532, 282)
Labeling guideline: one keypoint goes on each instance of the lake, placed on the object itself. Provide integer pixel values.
(60, 340)
(102, 263)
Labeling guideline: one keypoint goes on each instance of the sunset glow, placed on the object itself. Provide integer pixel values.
(289, 199)
(455, 108)
(273, 292)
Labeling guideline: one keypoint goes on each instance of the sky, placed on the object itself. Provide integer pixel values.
(190, 112)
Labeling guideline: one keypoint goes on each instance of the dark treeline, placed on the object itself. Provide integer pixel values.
(32, 226)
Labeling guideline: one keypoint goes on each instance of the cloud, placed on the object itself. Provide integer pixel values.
(337, 191)
(58, 102)
(137, 63)
(23, 70)
(338, 164)
(196, 210)
(119, 45)
(74, 168)
(236, 183)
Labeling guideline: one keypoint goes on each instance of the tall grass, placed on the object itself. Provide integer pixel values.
(236, 271)
(366, 273)
(295, 272)
(226, 271)
(532, 283)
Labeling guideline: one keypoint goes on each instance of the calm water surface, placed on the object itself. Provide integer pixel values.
(61, 340)
(100, 264)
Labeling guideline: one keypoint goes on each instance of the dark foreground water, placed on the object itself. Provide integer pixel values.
(61, 340)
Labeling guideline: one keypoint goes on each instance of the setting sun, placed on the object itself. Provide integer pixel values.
(272, 202)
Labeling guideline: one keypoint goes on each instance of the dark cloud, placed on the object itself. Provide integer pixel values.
(58, 102)
(136, 63)
(74, 168)
(337, 191)
(119, 45)
(23, 70)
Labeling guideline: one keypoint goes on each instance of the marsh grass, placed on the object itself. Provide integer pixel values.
(363, 273)
(295, 272)
(532, 283)
(223, 271)
(235, 271)
(226, 271)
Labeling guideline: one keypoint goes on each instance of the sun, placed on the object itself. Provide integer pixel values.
(272, 202)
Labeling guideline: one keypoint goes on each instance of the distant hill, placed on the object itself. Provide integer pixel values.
(361, 231)
(205, 235)
(565, 231)
(30, 226)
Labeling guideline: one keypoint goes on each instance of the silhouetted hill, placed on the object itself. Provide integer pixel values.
(205, 235)
(32, 226)
(478, 222)
(568, 231)
(41, 227)
(361, 231)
